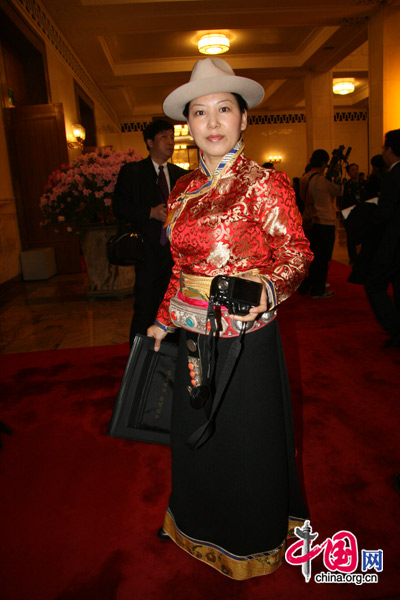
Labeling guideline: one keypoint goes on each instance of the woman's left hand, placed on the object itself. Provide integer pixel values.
(256, 310)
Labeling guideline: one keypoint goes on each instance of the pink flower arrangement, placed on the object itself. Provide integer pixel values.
(80, 194)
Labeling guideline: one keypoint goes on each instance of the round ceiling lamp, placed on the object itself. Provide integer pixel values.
(213, 43)
(343, 86)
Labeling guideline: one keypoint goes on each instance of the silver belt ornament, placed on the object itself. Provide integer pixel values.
(194, 318)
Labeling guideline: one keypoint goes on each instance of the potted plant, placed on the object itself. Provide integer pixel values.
(79, 195)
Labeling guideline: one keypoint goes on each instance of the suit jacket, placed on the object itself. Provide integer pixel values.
(388, 216)
(136, 192)
(380, 226)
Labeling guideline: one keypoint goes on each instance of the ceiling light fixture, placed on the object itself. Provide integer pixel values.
(343, 86)
(213, 43)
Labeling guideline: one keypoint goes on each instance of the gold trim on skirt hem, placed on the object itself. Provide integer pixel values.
(236, 567)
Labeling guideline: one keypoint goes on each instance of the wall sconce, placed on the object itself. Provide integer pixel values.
(275, 158)
(79, 134)
(343, 86)
(213, 43)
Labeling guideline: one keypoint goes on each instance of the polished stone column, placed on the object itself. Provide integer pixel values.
(319, 111)
(384, 75)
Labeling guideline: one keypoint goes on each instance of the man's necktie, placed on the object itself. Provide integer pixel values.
(164, 193)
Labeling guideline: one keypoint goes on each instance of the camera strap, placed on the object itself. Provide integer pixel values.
(201, 435)
(308, 183)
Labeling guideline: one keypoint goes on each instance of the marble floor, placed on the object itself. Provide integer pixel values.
(55, 313)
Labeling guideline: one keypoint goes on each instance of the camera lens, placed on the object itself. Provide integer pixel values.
(223, 285)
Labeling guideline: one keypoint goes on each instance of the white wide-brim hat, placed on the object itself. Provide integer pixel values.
(211, 76)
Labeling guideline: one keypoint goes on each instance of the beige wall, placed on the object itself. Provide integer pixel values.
(124, 141)
(61, 82)
(289, 141)
(62, 90)
(286, 139)
(391, 68)
(354, 134)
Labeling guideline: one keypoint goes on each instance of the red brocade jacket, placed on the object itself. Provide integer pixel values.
(246, 221)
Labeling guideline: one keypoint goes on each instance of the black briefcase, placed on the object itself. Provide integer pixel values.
(142, 409)
(125, 248)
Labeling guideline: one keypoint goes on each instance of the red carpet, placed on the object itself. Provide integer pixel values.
(80, 509)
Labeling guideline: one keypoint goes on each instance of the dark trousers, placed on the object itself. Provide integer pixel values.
(386, 310)
(151, 282)
(351, 243)
(322, 240)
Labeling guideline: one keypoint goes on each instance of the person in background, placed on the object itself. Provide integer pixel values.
(384, 269)
(360, 222)
(299, 200)
(319, 220)
(235, 494)
(354, 187)
(373, 183)
(140, 198)
(354, 194)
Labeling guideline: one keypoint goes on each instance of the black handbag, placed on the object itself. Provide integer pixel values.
(125, 248)
(142, 410)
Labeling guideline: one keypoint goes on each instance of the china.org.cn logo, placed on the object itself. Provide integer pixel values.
(340, 556)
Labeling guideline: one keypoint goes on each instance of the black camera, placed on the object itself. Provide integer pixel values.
(339, 157)
(236, 293)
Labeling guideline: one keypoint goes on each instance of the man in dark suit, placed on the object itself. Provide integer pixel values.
(354, 194)
(140, 198)
(385, 265)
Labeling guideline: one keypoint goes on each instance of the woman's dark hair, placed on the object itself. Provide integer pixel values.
(319, 158)
(242, 104)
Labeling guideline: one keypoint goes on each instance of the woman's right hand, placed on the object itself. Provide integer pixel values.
(158, 334)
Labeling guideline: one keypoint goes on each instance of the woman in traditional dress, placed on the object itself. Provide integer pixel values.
(235, 494)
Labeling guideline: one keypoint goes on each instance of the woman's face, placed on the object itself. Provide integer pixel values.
(216, 123)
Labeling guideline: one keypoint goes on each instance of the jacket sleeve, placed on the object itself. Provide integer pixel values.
(173, 286)
(280, 220)
(130, 203)
(389, 198)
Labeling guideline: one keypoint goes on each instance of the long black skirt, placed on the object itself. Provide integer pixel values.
(236, 499)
